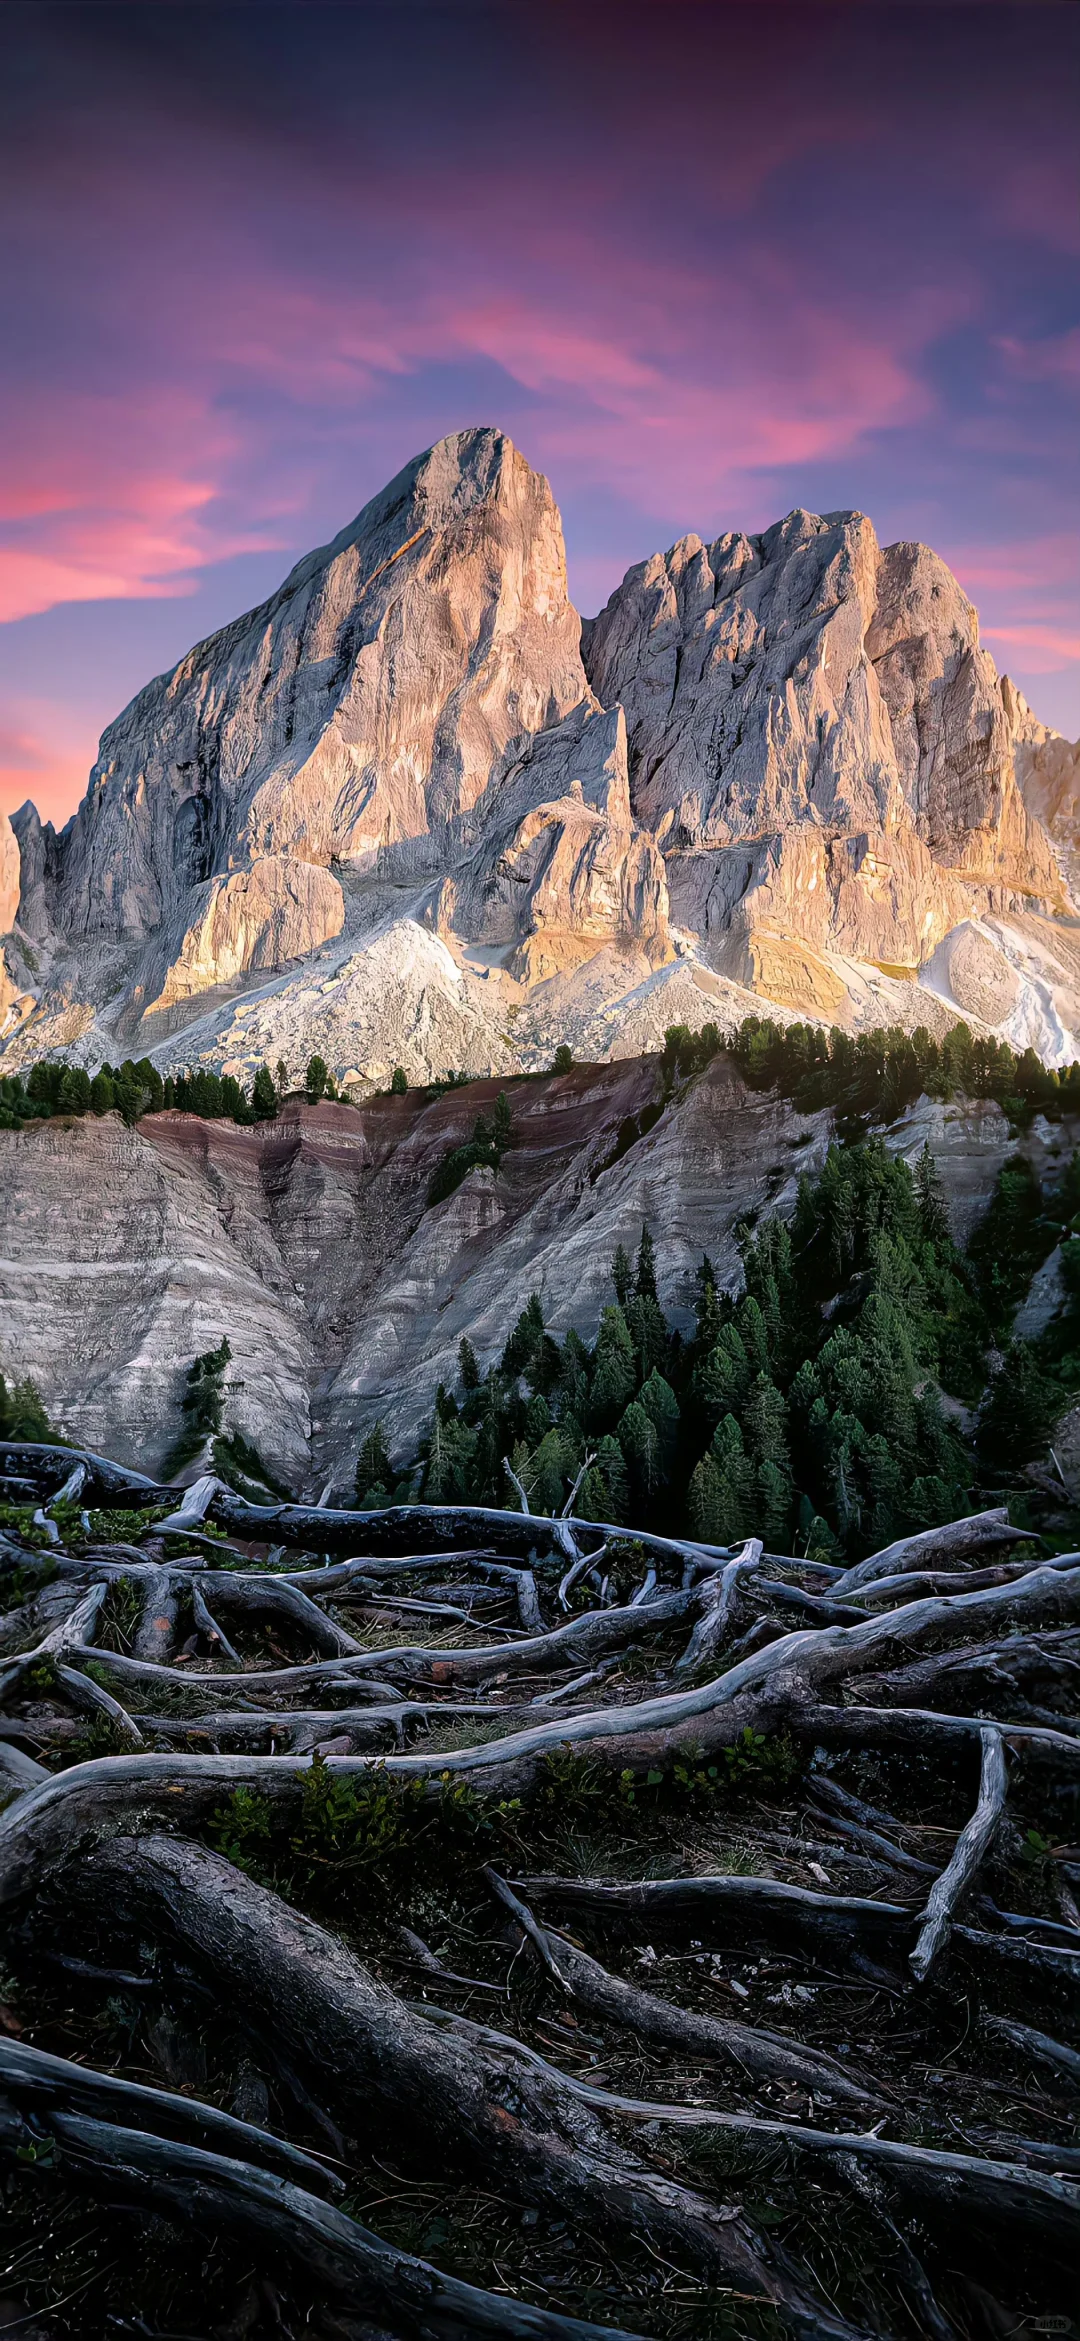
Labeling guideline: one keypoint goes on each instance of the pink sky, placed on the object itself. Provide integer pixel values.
(702, 263)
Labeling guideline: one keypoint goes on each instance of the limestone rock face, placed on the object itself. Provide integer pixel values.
(10, 875)
(821, 746)
(276, 911)
(562, 867)
(367, 702)
(410, 805)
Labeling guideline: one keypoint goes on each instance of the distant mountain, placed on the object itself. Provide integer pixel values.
(411, 810)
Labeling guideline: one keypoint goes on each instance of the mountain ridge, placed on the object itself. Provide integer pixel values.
(778, 768)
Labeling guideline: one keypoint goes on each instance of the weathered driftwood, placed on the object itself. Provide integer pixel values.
(924, 1634)
(387, 2074)
(953, 1543)
(764, 2053)
(274, 2217)
(968, 1852)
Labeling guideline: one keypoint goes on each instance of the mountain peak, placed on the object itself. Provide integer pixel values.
(785, 760)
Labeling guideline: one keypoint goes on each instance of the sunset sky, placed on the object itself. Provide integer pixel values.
(703, 263)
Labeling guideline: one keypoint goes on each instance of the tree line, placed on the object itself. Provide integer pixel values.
(136, 1088)
(870, 1075)
(877, 1074)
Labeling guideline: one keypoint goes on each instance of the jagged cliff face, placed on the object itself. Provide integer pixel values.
(820, 746)
(778, 768)
(124, 1252)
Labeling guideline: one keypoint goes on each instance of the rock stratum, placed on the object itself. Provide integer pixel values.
(126, 1252)
(412, 810)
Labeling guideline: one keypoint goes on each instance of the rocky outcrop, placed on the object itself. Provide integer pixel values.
(563, 867)
(10, 877)
(277, 911)
(783, 760)
(309, 1242)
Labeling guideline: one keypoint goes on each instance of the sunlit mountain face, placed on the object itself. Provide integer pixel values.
(704, 265)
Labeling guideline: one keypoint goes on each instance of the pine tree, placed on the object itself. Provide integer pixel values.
(660, 1403)
(151, 1086)
(75, 1091)
(708, 1312)
(399, 1081)
(1019, 1412)
(281, 1078)
(526, 1337)
(753, 1334)
(645, 1280)
(931, 1199)
(501, 1124)
(648, 1331)
(736, 1489)
(264, 1102)
(703, 1502)
(22, 1414)
(563, 1061)
(775, 1507)
(373, 1466)
(468, 1365)
(611, 1463)
(549, 1471)
(622, 1276)
(315, 1079)
(640, 1442)
(614, 1375)
(764, 1423)
(723, 1378)
(102, 1092)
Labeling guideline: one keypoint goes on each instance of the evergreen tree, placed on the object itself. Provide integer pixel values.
(150, 1085)
(611, 1464)
(23, 1416)
(931, 1199)
(765, 1425)
(648, 1331)
(660, 1403)
(315, 1079)
(735, 1481)
(127, 1099)
(703, 1503)
(563, 1061)
(399, 1081)
(549, 1472)
(501, 1123)
(775, 1506)
(75, 1091)
(614, 1375)
(1019, 1412)
(622, 1276)
(752, 1331)
(708, 1312)
(645, 1280)
(526, 1337)
(281, 1079)
(468, 1366)
(640, 1442)
(264, 1103)
(374, 1471)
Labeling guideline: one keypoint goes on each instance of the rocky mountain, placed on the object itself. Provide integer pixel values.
(124, 1253)
(412, 810)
